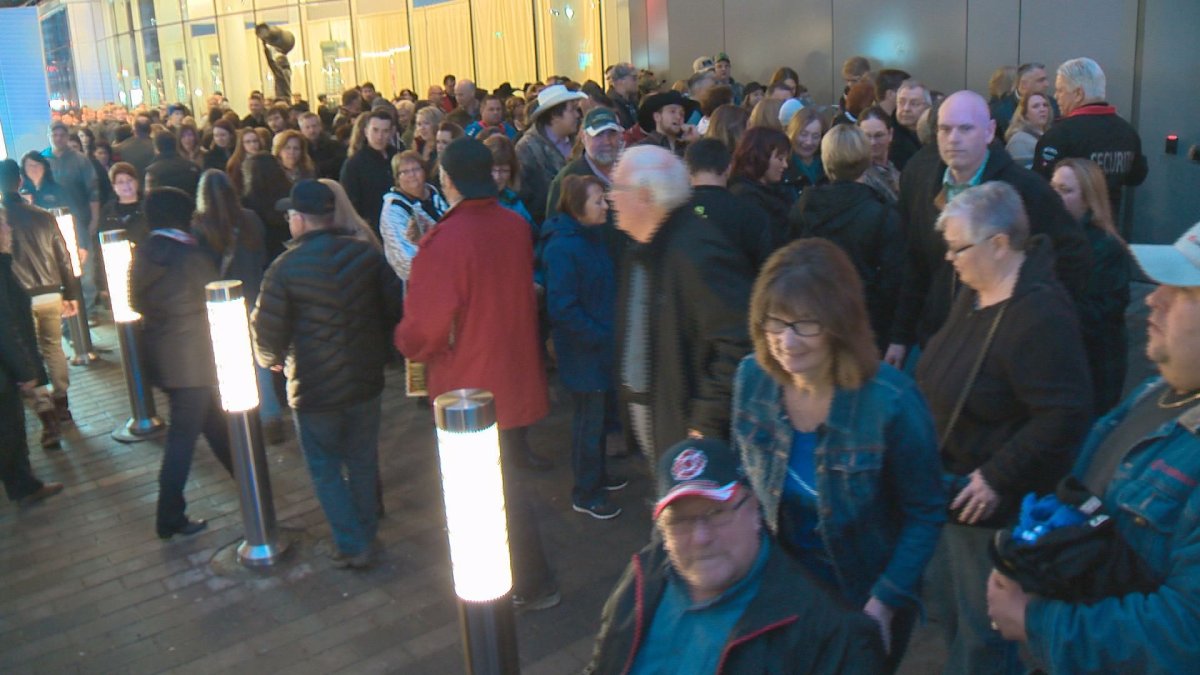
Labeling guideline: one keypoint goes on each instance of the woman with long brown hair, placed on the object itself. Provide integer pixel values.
(291, 149)
(1081, 184)
(233, 237)
(248, 143)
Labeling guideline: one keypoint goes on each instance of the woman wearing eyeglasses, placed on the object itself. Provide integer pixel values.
(839, 448)
(1007, 381)
(410, 209)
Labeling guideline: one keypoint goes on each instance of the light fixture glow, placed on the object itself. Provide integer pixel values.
(118, 257)
(230, 330)
(66, 225)
(473, 490)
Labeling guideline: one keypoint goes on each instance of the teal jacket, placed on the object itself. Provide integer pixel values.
(1154, 501)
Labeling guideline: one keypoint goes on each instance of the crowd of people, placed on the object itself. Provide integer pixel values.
(847, 339)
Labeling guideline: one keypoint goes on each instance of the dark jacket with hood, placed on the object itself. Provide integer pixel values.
(775, 200)
(1030, 405)
(698, 294)
(858, 219)
(1102, 315)
(742, 220)
(325, 312)
(366, 177)
(790, 626)
(40, 257)
(171, 170)
(167, 288)
(929, 281)
(581, 298)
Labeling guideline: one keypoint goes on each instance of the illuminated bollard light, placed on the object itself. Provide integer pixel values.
(144, 422)
(230, 332)
(81, 337)
(476, 521)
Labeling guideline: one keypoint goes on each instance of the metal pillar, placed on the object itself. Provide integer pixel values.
(144, 421)
(230, 331)
(476, 521)
(81, 337)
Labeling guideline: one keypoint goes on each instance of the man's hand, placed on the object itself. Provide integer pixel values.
(894, 356)
(83, 256)
(692, 433)
(689, 133)
(29, 386)
(1006, 606)
(69, 308)
(883, 616)
(276, 368)
(976, 502)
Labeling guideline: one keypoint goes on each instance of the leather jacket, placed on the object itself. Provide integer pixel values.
(41, 261)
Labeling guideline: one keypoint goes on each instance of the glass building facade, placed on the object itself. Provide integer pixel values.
(163, 51)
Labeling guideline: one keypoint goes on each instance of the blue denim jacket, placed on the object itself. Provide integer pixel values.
(881, 503)
(1156, 508)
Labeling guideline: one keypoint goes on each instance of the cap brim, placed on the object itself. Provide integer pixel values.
(721, 493)
(1164, 264)
(611, 126)
(284, 204)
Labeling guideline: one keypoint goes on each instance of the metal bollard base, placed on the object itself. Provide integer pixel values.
(135, 430)
(263, 555)
(489, 636)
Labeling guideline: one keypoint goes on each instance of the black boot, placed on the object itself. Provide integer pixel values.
(62, 410)
(50, 432)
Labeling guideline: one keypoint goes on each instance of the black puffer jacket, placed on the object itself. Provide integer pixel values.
(326, 310)
(166, 286)
(40, 257)
(929, 281)
(856, 218)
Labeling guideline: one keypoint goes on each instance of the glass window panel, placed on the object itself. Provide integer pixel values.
(384, 52)
(569, 39)
(204, 63)
(503, 43)
(199, 9)
(166, 12)
(329, 53)
(123, 16)
(286, 20)
(441, 44)
(265, 4)
(173, 81)
(130, 72)
(60, 68)
(240, 58)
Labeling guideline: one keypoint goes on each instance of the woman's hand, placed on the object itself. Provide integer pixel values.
(883, 616)
(976, 502)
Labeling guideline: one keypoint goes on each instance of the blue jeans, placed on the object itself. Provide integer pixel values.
(588, 446)
(337, 439)
(194, 411)
(957, 585)
(268, 403)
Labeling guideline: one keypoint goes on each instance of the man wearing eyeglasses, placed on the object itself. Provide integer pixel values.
(715, 595)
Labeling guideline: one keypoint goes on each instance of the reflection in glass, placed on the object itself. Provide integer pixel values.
(441, 44)
(384, 52)
(328, 48)
(569, 39)
(502, 28)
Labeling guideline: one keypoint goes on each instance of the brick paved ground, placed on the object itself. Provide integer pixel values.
(85, 586)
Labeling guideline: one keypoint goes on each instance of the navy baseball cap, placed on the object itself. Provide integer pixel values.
(698, 467)
(308, 196)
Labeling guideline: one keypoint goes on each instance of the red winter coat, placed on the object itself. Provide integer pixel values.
(470, 313)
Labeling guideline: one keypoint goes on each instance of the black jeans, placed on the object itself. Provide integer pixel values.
(531, 572)
(588, 446)
(15, 472)
(194, 410)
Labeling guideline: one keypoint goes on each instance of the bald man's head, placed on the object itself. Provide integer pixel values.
(965, 129)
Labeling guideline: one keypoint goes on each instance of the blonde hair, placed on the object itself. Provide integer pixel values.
(346, 219)
(845, 152)
(1020, 119)
(1094, 190)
